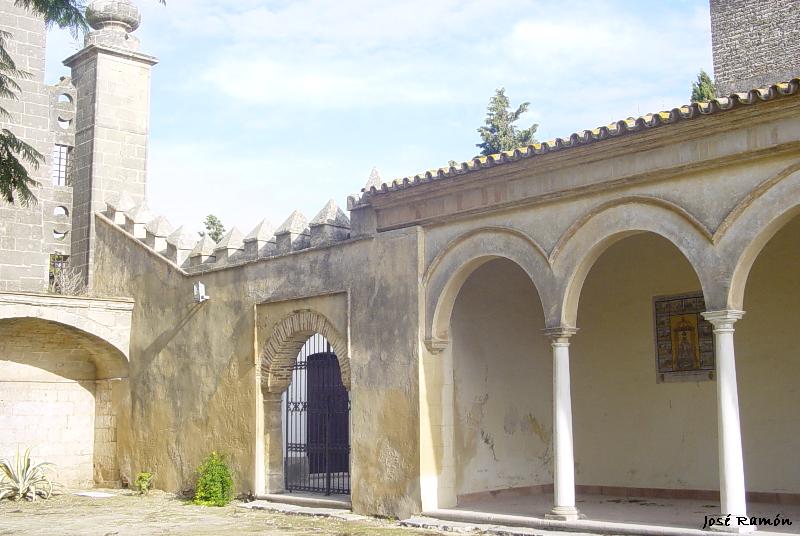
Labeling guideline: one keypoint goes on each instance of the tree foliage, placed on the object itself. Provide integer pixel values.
(500, 133)
(15, 181)
(214, 227)
(704, 89)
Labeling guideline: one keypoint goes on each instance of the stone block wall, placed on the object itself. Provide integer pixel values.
(53, 415)
(29, 235)
(106, 470)
(111, 122)
(755, 43)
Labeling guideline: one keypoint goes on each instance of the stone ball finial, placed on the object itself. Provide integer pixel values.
(102, 14)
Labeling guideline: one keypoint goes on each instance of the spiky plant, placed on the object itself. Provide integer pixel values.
(22, 479)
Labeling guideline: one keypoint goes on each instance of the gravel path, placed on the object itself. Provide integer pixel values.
(126, 513)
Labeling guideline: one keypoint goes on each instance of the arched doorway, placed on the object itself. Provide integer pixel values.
(316, 423)
(58, 387)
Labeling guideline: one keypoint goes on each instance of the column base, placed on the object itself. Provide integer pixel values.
(564, 513)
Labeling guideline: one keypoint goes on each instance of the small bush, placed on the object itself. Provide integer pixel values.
(214, 482)
(21, 479)
(143, 482)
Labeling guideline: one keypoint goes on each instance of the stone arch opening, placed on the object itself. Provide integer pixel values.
(285, 362)
(59, 387)
(768, 364)
(614, 223)
(486, 390)
(642, 365)
(286, 341)
(316, 423)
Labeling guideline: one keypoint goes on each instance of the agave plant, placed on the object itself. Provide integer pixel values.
(23, 479)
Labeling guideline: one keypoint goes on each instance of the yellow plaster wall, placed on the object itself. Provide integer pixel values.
(503, 382)
(193, 385)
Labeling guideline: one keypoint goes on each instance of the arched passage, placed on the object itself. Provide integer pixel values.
(768, 364)
(58, 391)
(644, 407)
(486, 395)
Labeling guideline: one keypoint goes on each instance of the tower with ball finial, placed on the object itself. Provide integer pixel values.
(112, 81)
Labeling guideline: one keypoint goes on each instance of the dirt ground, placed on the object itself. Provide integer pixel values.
(129, 514)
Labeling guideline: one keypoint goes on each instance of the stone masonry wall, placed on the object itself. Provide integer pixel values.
(106, 471)
(47, 390)
(755, 43)
(28, 235)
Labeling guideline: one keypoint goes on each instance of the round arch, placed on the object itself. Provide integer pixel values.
(754, 226)
(109, 360)
(461, 257)
(287, 339)
(77, 319)
(616, 222)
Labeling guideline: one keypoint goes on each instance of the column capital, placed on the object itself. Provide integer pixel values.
(724, 319)
(560, 334)
(436, 345)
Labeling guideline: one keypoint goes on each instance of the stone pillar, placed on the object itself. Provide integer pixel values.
(106, 469)
(729, 435)
(273, 442)
(112, 81)
(437, 422)
(563, 459)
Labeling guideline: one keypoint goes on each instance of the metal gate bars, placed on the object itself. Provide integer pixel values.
(317, 423)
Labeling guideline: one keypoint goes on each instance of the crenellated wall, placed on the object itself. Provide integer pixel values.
(196, 367)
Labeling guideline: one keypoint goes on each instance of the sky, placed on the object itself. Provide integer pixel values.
(262, 107)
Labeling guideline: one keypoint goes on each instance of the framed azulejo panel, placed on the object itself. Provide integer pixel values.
(684, 339)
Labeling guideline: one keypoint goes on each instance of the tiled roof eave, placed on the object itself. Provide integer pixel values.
(619, 129)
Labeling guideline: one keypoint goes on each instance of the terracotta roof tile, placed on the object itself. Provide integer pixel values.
(620, 128)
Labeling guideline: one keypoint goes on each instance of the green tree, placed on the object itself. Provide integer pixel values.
(500, 133)
(704, 89)
(214, 227)
(15, 180)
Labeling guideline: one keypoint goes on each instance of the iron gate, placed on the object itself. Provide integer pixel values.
(317, 423)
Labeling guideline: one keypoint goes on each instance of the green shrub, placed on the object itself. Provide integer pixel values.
(214, 482)
(143, 482)
(21, 479)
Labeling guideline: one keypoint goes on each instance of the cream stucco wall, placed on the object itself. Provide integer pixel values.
(629, 430)
(503, 382)
(768, 366)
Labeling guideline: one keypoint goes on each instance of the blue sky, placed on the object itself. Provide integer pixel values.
(261, 107)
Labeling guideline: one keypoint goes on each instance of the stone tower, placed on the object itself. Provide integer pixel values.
(112, 80)
(755, 43)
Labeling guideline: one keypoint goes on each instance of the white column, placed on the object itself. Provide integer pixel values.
(729, 435)
(564, 464)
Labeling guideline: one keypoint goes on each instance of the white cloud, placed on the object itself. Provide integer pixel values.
(260, 106)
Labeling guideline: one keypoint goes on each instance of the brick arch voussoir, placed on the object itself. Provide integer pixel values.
(286, 341)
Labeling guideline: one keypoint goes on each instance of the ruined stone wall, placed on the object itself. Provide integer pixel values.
(755, 43)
